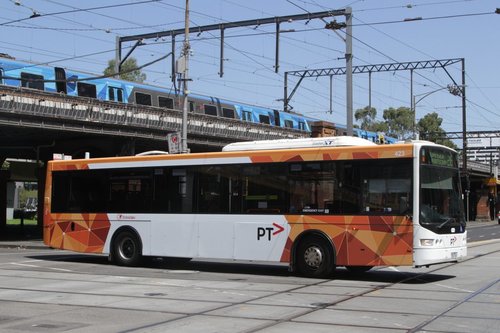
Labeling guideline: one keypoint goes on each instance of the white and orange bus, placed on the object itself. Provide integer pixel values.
(313, 203)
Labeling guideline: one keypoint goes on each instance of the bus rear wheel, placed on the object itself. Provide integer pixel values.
(315, 257)
(126, 250)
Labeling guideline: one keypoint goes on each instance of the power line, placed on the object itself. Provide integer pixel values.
(36, 14)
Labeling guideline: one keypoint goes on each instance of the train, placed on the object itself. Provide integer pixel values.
(75, 83)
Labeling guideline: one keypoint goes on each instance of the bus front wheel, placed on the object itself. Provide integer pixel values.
(315, 257)
(127, 249)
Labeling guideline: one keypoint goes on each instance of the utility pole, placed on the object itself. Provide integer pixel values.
(348, 60)
(185, 62)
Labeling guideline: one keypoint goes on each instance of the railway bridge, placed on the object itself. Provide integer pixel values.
(35, 124)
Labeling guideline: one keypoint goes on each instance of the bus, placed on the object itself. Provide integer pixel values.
(314, 203)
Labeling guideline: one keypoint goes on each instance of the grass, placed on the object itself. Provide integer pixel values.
(18, 222)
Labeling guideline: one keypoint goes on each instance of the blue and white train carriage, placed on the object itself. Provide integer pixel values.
(73, 83)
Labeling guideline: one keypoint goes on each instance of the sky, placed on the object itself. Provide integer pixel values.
(82, 35)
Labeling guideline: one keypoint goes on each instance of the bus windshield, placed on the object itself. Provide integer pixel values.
(441, 207)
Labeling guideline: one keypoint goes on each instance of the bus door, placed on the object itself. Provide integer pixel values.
(258, 203)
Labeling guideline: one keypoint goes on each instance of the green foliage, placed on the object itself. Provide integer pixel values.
(367, 116)
(25, 194)
(430, 129)
(127, 67)
(5, 165)
(399, 122)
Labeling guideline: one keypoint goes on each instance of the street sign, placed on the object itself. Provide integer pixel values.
(483, 142)
(174, 143)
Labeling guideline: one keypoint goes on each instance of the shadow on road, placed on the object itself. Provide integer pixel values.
(249, 268)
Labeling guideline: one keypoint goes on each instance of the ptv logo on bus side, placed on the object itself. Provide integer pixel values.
(269, 231)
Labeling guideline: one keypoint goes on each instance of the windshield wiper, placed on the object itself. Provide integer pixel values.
(446, 221)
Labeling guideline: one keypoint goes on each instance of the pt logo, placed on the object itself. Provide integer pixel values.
(453, 240)
(269, 231)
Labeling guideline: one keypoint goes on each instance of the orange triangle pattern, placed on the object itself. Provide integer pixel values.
(77, 232)
(359, 240)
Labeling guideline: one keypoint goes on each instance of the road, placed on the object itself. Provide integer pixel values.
(482, 232)
(44, 290)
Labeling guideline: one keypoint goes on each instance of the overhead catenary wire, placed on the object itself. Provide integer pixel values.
(298, 41)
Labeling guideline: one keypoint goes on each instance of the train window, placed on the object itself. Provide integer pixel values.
(86, 90)
(32, 81)
(302, 126)
(165, 102)
(288, 123)
(210, 109)
(227, 113)
(264, 119)
(61, 86)
(246, 115)
(115, 94)
(142, 99)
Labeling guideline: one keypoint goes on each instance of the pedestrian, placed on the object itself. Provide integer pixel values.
(491, 205)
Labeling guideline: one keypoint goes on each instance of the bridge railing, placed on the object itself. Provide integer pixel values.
(129, 119)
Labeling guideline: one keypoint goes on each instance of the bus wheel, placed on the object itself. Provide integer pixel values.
(358, 269)
(127, 249)
(315, 257)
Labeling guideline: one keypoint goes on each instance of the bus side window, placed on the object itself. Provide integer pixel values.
(213, 189)
(347, 191)
(130, 191)
(387, 187)
(311, 187)
(264, 189)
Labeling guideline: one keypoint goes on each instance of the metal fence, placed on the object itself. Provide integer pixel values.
(28, 107)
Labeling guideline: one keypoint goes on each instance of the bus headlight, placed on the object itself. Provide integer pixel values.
(426, 242)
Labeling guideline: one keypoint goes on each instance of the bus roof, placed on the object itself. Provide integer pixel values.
(334, 141)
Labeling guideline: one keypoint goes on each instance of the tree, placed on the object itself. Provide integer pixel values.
(367, 116)
(429, 128)
(399, 122)
(127, 68)
(368, 123)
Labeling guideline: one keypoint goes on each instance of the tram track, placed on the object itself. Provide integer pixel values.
(255, 300)
(321, 306)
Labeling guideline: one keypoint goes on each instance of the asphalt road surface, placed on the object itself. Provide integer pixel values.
(43, 290)
(482, 232)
